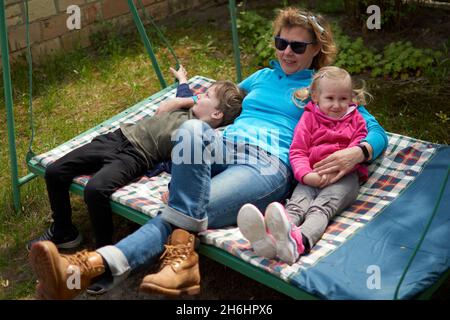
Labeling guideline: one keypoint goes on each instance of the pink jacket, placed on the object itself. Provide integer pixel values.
(316, 136)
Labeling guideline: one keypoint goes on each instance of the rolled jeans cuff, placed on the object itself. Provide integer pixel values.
(183, 221)
(117, 262)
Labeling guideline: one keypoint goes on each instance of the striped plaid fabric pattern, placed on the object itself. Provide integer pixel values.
(389, 176)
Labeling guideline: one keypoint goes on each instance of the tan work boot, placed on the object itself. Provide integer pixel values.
(179, 271)
(63, 276)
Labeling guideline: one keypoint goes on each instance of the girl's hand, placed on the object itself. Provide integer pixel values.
(326, 179)
(312, 179)
(180, 74)
(165, 197)
(340, 163)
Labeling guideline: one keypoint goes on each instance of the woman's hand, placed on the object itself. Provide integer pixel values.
(339, 163)
(180, 74)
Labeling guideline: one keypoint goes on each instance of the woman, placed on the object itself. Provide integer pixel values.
(208, 194)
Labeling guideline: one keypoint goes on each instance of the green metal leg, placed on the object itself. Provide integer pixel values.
(237, 53)
(147, 43)
(9, 107)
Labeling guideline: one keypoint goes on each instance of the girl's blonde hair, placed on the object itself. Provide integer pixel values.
(360, 95)
(317, 27)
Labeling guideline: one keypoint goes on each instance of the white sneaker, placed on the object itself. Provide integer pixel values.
(252, 226)
(288, 238)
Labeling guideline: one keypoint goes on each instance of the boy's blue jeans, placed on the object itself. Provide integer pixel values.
(205, 192)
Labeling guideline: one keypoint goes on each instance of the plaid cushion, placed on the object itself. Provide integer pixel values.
(389, 175)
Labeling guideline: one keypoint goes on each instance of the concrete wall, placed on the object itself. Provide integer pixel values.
(48, 30)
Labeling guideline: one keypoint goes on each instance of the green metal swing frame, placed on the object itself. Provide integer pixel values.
(209, 251)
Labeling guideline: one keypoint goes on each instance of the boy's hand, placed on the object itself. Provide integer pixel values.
(166, 106)
(180, 74)
(312, 179)
(174, 104)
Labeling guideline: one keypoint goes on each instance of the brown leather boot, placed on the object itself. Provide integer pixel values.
(63, 276)
(179, 271)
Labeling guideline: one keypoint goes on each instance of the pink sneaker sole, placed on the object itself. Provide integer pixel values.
(252, 226)
(280, 227)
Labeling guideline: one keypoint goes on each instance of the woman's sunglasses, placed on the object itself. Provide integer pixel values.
(297, 46)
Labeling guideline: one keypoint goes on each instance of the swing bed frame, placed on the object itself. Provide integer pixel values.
(209, 251)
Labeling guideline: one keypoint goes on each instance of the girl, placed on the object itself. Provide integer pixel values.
(331, 122)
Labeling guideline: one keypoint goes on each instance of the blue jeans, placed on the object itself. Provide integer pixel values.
(204, 193)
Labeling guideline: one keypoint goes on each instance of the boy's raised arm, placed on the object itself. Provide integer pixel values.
(180, 74)
(184, 97)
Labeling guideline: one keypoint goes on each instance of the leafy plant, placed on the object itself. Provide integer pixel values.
(440, 72)
(354, 55)
(443, 117)
(401, 59)
(254, 29)
(398, 59)
(330, 6)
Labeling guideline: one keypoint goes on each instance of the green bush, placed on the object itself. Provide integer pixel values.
(329, 6)
(401, 59)
(398, 59)
(254, 29)
(354, 55)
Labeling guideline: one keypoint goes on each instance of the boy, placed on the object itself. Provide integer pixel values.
(118, 158)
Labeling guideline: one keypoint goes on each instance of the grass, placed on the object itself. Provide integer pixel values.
(414, 108)
(76, 91)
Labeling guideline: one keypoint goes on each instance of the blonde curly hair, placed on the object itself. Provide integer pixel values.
(360, 95)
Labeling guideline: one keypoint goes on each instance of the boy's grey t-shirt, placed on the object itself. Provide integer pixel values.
(152, 136)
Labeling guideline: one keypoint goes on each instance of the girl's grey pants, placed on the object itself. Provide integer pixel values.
(313, 208)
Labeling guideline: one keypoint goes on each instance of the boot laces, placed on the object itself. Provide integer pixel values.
(81, 260)
(174, 254)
